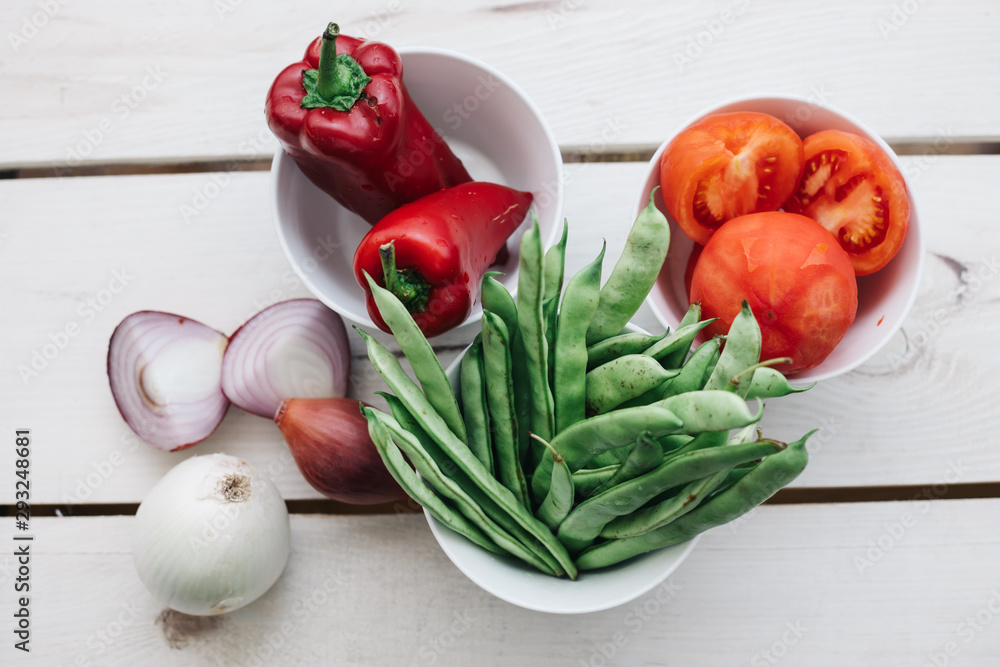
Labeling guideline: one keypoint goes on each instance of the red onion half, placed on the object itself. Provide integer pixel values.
(165, 373)
(293, 349)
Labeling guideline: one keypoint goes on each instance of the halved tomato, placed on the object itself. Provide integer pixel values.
(853, 188)
(727, 165)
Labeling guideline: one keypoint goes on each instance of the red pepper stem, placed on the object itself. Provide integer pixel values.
(408, 285)
(329, 85)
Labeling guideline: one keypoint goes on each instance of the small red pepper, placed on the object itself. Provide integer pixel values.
(344, 115)
(432, 253)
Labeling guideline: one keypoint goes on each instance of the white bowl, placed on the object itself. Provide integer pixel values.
(499, 135)
(884, 297)
(511, 580)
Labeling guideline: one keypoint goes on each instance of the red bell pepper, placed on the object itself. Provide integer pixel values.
(344, 115)
(432, 253)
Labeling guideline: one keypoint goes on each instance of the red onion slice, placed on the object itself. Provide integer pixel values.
(165, 373)
(293, 349)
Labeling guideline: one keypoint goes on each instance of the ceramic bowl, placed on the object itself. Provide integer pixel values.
(884, 297)
(488, 122)
(509, 579)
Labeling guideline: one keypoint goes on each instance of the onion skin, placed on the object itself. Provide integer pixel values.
(328, 438)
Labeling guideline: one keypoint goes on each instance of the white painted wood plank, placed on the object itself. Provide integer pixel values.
(871, 583)
(910, 416)
(114, 81)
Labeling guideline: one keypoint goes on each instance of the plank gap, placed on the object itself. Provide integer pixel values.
(570, 155)
(787, 496)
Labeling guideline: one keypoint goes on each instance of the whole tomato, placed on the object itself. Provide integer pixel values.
(798, 280)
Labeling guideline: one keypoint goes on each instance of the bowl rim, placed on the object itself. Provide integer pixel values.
(729, 105)
(281, 162)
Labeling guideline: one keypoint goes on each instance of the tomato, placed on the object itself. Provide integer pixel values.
(799, 282)
(852, 188)
(727, 165)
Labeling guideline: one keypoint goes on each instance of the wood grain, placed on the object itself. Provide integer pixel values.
(921, 413)
(882, 583)
(108, 81)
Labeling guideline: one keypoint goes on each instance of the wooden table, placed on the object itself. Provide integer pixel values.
(136, 157)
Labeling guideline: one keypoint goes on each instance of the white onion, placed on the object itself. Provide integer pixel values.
(212, 536)
(293, 349)
(165, 372)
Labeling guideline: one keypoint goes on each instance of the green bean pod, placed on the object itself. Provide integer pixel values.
(400, 383)
(450, 489)
(584, 440)
(696, 370)
(650, 518)
(769, 383)
(497, 299)
(741, 352)
(676, 358)
(500, 401)
(623, 379)
(410, 482)
(420, 354)
(585, 523)
(611, 457)
(634, 273)
(559, 500)
(554, 265)
(474, 404)
(751, 490)
(405, 420)
(711, 410)
(678, 341)
(646, 454)
(605, 350)
(531, 322)
(569, 380)
(587, 480)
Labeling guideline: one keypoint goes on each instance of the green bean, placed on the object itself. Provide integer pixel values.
(500, 401)
(646, 519)
(585, 523)
(474, 404)
(530, 293)
(444, 485)
(408, 423)
(673, 506)
(769, 383)
(679, 341)
(399, 382)
(410, 482)
(587, 480)
(611, 457)
(554, 266)
(584, 440)
(645, 455)
(420, 354)
(605, 350)
(676, 359)
(559, 500)
(741, 352)
(710, 410)
(696, 370)
(755, 487)
(623, 379)
(634, 273)
(571, 354)
(498, 300)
